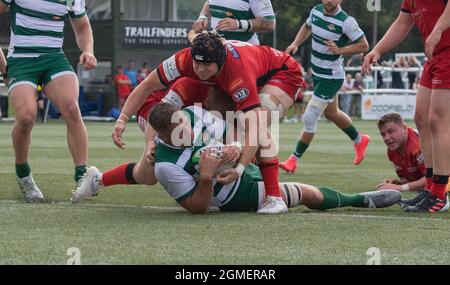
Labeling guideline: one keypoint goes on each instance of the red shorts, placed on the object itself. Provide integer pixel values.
(289, 80)
(436, 73)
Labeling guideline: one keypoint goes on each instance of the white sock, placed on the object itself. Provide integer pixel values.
(358, 139)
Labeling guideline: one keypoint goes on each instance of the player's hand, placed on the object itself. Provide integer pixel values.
(430, 44)
(231, 154)
(292, 49)
(209, 164)
(332, 47)
(150, 152)
(227, 176)
(88, 60)
(392, 186)
(119, 128)
(392, 181)
(227, 24)
(200, 25)
(370, 59)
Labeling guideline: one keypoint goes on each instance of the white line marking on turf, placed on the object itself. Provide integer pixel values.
(328, 214)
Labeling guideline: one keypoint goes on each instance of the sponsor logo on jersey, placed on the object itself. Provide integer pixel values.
(170, 69)
(240, 94)
(173, 98)
(233, 51)
(420, 159)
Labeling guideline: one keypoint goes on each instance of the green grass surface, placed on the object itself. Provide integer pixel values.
(143, 225)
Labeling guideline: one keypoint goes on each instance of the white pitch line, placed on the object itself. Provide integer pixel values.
(328, 214)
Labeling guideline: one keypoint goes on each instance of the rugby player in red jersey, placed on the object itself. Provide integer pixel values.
(432, 116)
(257, 78)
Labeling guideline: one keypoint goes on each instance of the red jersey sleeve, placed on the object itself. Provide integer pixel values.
(179, 64)
(405, 6)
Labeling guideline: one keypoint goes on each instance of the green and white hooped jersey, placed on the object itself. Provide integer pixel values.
(37, 26)
(340, 28)
(178, 172)
(240, 10)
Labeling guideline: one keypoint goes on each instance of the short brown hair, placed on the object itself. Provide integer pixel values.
(390, 118)
(160, 116)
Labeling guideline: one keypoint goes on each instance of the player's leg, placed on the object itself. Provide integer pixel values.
(325, 198)
(63, 91)
(23, 98)
(142, 173)
(275, 102)
(23, 75)
(423, 101)
(438, 123)
(344, 122)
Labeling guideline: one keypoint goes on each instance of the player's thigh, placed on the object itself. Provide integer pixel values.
(440, 104)
(23, 100)
(311, 196)
(278, 96)
(60, 81)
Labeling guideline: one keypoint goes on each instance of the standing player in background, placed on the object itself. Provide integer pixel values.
(123, 86)
(432, 115)
(332, 29)
(36, 57)
(237, 19)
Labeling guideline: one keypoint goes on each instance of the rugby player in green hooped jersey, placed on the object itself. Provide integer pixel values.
(35, 58)
(334, 34)
(190, 152)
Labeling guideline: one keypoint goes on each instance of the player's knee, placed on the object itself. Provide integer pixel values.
(310, 119)
(71, 113)
(420, 120)
(25, 121)
(435, 123)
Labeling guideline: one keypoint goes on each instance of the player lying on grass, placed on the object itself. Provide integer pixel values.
(403, 150)
(187, 164)
(184, 92)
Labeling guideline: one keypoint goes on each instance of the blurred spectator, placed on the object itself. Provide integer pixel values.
(122, 83)
(358, 85)
(143, 72)
(346, 98)
(397, 81)
(132, 74)
(413, 75)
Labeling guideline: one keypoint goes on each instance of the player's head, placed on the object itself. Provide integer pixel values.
(393, 130)
(208, 54)
(171, 124)
(331, 6)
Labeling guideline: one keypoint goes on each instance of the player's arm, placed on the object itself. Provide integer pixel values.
(85, 41)
(394, 36)
(136, 99)
(2, 62)
(434, 38)
(302, 35)
(201, 23)
(200, 200)
(360, 46)
(264, 21)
